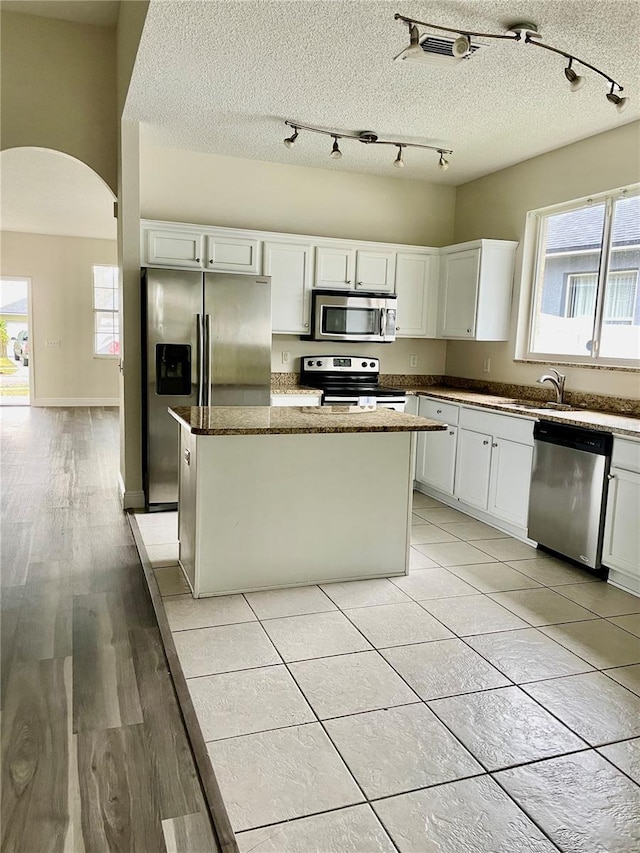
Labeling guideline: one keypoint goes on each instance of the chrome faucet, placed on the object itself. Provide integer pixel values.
(557, 381)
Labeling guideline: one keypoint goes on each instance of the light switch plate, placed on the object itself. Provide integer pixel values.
(413, 361)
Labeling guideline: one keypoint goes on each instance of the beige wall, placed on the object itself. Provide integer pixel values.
(62, 305)
(209, 189)
(58, 89)
(496, 206)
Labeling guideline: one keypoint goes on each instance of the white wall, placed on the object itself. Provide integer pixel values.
(62, 305)
(496, 206)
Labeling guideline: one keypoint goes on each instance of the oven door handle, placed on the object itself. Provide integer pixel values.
(383, 323)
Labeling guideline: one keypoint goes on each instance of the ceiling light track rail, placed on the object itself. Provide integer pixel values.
(525, 33)
(368, 137)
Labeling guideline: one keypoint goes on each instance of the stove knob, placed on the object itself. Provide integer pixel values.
(309, 364)
(364, 363)
(318, 364)
(372, 364)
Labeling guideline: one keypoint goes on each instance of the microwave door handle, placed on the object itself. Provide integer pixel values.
(383, 322)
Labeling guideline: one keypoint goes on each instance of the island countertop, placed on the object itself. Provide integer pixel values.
(291, 420)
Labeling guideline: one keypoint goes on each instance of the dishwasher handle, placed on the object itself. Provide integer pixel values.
(576, 438)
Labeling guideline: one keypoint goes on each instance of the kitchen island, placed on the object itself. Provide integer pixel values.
(272, 497)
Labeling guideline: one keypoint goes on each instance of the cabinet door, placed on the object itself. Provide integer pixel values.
(621, 549)
(289, 266)
(510, 480)
(232, 254)
(174, 248)
(375, 270)
(436, 459)
(459, 294)
(417, 290)
(335, 267)
(473, 464)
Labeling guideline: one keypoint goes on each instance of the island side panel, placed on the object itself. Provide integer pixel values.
(187, 504)
(280, 510)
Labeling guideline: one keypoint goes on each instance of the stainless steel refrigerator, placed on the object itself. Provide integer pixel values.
(207, 342)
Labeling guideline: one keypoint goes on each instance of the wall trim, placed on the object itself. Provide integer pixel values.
(76, 401)
(130, 499)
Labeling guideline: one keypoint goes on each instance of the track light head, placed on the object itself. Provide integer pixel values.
(575, 80)
(443, 164)
(399, 161)
(289, 141)
(461, 47)
(336, 153)
(613, 98)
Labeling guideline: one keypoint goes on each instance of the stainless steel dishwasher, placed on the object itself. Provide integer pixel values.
(568, 490)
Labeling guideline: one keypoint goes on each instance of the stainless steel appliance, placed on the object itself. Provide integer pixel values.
(338, 315)
(568, 490)
(349, 381)
(207, 342)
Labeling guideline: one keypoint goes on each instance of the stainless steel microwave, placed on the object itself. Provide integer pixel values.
(339, 315)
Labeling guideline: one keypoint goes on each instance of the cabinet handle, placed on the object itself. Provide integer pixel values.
(306, 325)
(485, 441)
(611, 476)
(187, 456)
(197, 260)
(210, 260)
(451, 432)
(495, 444)
(438, 411)
(468, 331)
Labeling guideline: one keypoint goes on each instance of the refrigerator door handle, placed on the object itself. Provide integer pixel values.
(207, 359)
(200, 349)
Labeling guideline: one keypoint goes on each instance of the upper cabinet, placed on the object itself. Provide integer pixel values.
(173, 248)
(375, 270)
(417, 289)
(476, 280)
(336, 266)
(227, 253)
(289, 265)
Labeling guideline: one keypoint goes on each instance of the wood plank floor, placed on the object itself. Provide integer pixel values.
(95, 755)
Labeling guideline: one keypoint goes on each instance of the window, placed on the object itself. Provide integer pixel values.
(586, 302)
(106, 325)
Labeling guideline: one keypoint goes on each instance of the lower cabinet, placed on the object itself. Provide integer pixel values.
(621, 547)
(509, 480)
(473, 467)
(296, 399)
(436, 451)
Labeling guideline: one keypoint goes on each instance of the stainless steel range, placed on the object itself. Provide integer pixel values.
(349, 381)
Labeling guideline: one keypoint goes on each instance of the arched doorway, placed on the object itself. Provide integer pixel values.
(58, 240)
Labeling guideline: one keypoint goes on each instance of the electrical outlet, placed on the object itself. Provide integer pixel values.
(413, 361)
(52, 343)
(487, 365)
(285, 356)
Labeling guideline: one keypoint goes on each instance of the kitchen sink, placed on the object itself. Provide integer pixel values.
(537, 404)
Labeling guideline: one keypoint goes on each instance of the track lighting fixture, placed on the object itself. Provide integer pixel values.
(575, 81)
(291, 139)
(399, 161)
(460, 47)
(369, 138)
(613, 98)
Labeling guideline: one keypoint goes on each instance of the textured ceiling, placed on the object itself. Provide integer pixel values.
(44, 192)
(222, 77)
(101, 13)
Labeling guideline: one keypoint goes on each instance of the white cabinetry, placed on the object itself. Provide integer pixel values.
(229, 253)
(417, 290)
(295, 399)
(375, 270)
(174, 248)
(335, 267)
(289, 265)
(473, 466)
(621, 549)
(475, 290)
(509, 480)
(436, 451)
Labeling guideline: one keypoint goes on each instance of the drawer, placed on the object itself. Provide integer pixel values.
(626, 454)
(446, 412)
(499, 426)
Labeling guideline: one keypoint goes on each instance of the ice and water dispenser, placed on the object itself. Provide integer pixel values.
(173, 369)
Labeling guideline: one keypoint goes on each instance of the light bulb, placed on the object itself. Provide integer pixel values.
(336, 153)
(291, 139)
(442, 163)
(575, 80)
(399, 161)
(619, 103)
(461, 47)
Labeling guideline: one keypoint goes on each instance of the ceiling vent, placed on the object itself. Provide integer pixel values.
(436, 50)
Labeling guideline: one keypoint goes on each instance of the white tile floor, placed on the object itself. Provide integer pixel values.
(490, 700)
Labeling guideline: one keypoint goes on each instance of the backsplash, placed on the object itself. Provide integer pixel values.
(595, 402)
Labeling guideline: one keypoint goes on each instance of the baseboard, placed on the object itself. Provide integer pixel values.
(75, 401)
(130, 499)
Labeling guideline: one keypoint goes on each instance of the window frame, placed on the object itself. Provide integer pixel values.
(534, 248)
(94, 287)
